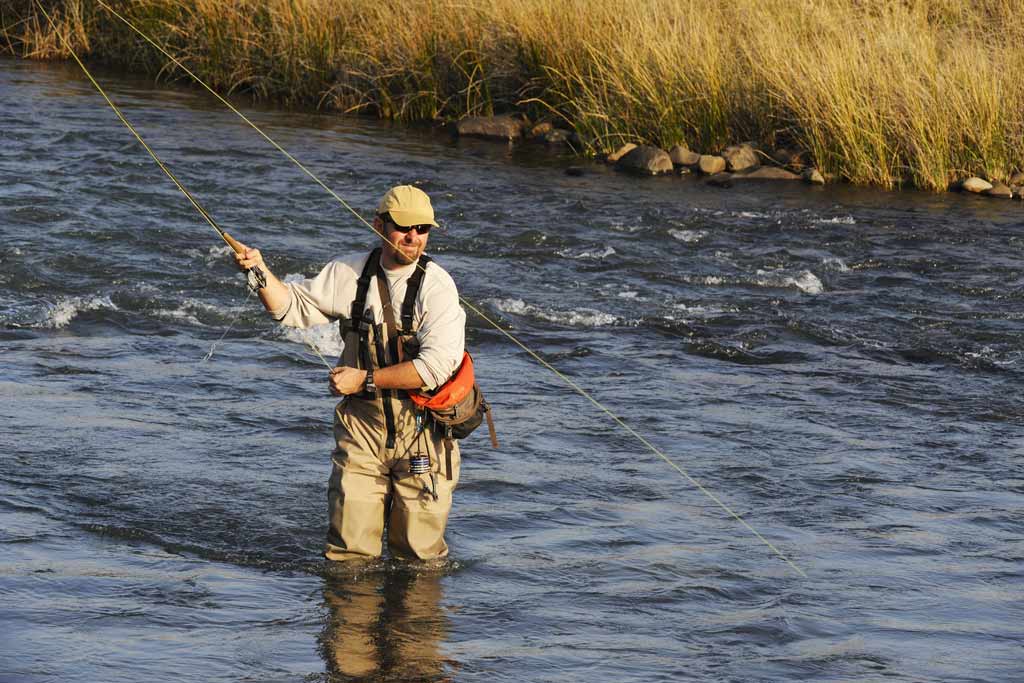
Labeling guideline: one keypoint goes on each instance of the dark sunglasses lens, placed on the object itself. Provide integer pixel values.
(421, 229)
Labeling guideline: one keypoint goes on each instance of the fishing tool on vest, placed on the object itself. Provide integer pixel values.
(420, 462)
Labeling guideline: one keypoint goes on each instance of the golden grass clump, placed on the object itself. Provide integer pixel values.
(882, 92)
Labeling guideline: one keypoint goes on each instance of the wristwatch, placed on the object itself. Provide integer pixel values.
(369, 386)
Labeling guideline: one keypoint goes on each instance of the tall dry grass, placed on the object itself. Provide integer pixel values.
(883, 92)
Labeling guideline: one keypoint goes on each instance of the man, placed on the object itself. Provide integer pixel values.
(379, 469)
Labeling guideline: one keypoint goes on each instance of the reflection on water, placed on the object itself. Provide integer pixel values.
(385, 625)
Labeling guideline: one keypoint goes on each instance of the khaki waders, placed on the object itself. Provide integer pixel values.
(371, 479)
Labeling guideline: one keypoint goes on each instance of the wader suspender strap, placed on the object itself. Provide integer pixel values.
(411, 291)
(359, 324)
(362, 324)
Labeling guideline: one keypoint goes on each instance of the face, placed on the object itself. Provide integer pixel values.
(401, 248)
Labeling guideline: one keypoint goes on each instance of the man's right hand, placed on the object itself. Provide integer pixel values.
(249, 258)
(275, 294)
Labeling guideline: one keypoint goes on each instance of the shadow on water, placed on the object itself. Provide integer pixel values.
(385, 624)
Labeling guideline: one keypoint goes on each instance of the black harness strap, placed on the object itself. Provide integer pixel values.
(363, 286)
(358, 315)
(411, 292)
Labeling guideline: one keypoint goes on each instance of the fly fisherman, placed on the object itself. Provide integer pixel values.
(388, 465)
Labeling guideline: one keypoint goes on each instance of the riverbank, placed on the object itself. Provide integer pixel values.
(924, 94)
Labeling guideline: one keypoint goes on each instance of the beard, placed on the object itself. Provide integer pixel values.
(407, 254)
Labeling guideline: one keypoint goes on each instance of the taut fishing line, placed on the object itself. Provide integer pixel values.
(578, 389)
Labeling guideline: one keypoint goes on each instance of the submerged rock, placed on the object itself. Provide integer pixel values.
(722, 179)
(999, 190)
(766, 173)
(645, 160)
(558, 136)
(813, 176)
(504, 127)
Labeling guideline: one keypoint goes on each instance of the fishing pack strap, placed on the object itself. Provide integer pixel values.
(490, 425)
(449, 445)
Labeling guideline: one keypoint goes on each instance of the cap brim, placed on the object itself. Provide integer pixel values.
(407, 218)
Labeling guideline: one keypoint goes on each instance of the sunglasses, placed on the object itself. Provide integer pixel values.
(421, 229)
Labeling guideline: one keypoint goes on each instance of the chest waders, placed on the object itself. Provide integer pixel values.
(388, 463)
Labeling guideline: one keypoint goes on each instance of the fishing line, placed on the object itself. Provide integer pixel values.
(578, 389)
(241, 309)
(231, 242)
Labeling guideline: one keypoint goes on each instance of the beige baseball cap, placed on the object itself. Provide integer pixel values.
(407, 206)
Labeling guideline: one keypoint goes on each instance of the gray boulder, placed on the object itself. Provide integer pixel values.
(710, 164)
(740, 157)
(645, 160)
(682, 156)
(976, 185)
(505, 127)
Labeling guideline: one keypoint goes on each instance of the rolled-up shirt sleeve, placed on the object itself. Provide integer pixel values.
(442, 330)
(316, 301)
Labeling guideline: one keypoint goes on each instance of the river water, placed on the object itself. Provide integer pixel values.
(840, 367)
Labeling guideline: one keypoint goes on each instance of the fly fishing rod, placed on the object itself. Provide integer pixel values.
(533, 354)
(257, 279)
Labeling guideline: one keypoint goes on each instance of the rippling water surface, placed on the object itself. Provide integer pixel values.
(842, 368)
